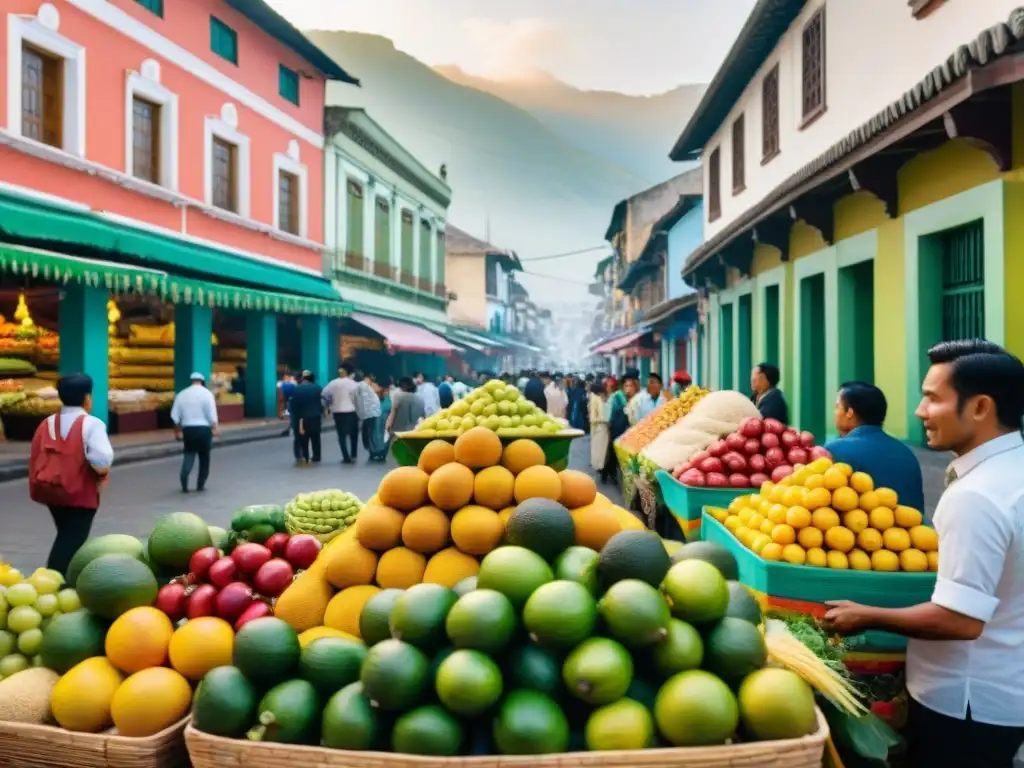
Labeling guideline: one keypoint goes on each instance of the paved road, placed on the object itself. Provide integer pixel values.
(254, 473)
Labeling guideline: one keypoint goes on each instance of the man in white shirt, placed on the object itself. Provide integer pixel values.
(427, 390)
(557, 401)
(194, 414)
(965, 658)
(459, 389)
(340, 396)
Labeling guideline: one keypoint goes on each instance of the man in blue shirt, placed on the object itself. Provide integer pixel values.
(864, 445)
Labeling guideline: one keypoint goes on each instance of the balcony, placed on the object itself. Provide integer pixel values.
(381, 272)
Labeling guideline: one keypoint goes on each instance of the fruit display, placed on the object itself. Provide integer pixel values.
(28, 405)
(826, 515)
(27, 606)
(494, 406)
(643, 433)
(255, 523)
(10, 386)
(13, 367)
(760, 450)
(324, 514)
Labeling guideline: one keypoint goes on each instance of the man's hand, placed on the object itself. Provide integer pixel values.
(215, 431)
(178, 435)
(846, 617)
(302, 427)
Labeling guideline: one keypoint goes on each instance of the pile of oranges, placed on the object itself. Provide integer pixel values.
(828, 516)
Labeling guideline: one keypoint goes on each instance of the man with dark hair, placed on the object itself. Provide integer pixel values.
(764, 382)
(534, 390)
(307, 412)
(340, 396)
(864, 445)
(69, 462)
(965, 665)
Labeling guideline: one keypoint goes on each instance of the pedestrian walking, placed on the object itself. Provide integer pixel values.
(69, 464)
(598, 426)
(287, 385)
(445, 394)
(340, 396)
(407, 408)
(194, 414)
(367, 410)
(307, 410)
(428, 391)
(379, 441)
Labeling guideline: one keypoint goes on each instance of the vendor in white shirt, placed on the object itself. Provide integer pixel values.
(965, 658)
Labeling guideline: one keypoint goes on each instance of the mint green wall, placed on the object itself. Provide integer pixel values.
(83, 339)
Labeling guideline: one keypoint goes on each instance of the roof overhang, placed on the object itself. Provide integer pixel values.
(667, 310)
(618, 220)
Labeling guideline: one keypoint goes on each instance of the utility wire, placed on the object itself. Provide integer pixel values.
(603, 247)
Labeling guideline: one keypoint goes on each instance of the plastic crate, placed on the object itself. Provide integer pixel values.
(406, 449)
(804, 589)
(686, 503)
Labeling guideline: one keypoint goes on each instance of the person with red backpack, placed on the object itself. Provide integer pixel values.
(69, 463)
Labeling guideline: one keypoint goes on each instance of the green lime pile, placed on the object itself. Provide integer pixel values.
(547, 650)
(497, 406)
(321, 513)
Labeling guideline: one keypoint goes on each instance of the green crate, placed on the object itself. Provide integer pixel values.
(407, 450)
(804, 584)
(686, 503)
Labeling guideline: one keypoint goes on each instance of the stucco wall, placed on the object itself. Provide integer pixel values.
(466, 280)
(683, 238)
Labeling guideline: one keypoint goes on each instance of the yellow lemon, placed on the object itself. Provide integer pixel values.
(846, 469)
(744, 514)
(771, 551)
(839, 538)
(933, 561)
(794, 496)
(869, 540)
(776, 494)
(834, 478)
(913, 560)
(732, 523)
(764, 506)
(870, 500)
(783, 534)
(801, 476)
(924, 538)
(882, 518)
(738, 503)
(837, 560)
(767, 526)
(856, 520)
(754, 500)
(896, 539)
(809, 538)
(814, 481)
(844, 499)
(777, 514)
(741, 532)
(821, 466)
(907, 517)
(884, 560)
(824, 518)
(859, 560)
(716, 512)
(798, 517)
(817, 557)
(887, 497)
(794, 553)
(748, 537)
(759, 542)
(766, 489)
(861, 482)
(755, 521)
(818, 498)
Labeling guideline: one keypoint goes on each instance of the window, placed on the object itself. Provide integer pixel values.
(42, 97)
(408, 260)
(223, 40)
(355, 245)
(225, 175)
(738, 137)
(145, 140)
(714, 185)
(813, 40)
(770, 115)
(492, 278)
(288, 202)
(288, 84)
(154, 6)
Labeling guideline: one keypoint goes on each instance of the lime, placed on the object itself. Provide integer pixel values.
(468, 682)
(683, 649)
(395, 675)
(535, 668)
(695, 709)
(625, 724)
(483, 620)
(635, 612)
(696, 591)
(428, 730)
(530, 723)
(733, 649)
(419, 615)
(373, 621)
(515, 572)
(465, 586)
(578, 564)
(561, 614)
(598, 671)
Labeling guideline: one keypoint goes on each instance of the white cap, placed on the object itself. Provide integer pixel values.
(197, 376)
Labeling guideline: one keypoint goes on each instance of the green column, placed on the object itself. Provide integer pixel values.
(83, 339)
(314, 347)
(645, 368)
(261, 365)
(333, 352)
(193, 350)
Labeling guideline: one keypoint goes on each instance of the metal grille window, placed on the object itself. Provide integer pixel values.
(288, 84)
(738, 170)
(439, 268)
(963, 282)
(223, 40)
(408, 257)
(426, 281)
(42, 97)
(382, 238)
(770, 115)
(154, 6)
(355, 213)
(146, 140)
(288, 202)
(714, 185)
(225, 179)
(813, 40)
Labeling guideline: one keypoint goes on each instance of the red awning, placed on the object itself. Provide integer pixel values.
(403, 337)
(616, 344)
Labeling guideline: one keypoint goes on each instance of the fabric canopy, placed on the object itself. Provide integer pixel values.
(404, 337)
(616, 344)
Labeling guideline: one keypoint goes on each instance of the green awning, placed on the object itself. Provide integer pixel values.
(119, 278)
(90, 235)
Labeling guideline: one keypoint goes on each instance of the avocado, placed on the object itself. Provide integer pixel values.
(288, 714)
(419, 615)
(349, 721)
(742, 604)
(429, 730)
(733, 649)
(533, 668)
(267, 651)
(710, 552)
(541, 525)
(331, 663)
(633, 554)
(395, 675)
(224, 704)
(376, 615)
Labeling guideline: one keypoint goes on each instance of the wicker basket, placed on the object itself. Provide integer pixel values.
(215, 752)
(46, 746)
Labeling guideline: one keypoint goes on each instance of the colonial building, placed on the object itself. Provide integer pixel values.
(863, 195)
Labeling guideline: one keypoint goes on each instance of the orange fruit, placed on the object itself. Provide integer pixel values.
(861, 482)
(138, 639)
(924, 538)
(810, 538)
(200, 645)
(884, 560)
(933, 560)
(839, 538)
(783, 534)
(836, 559)
(771, 551)
(907, 517)
(794, 553)
(882, 518)
(816, 556)
(887, 497)
(798, 517)
(818, 497)
(870, 500)
(913, 560)
(869, 540)
(896, 540)
(844, 499)
(834, 478)
(856, 520)
(825, 518)
(859, 560)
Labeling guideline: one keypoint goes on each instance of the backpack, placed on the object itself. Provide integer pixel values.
(58, 475)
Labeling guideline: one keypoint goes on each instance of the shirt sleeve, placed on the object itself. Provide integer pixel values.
(975, 537)
(98, 450)
(176, 410)
(211, 409)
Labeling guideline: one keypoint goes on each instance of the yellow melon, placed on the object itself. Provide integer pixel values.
(81, 698)
(627, 519)
(451, 487)
(522, 454)
(303, 603)
(350, 564)
(150, 701)
(400, 568)
(450, 566)
(345, 608)
(436, 454)
(379, 528)
(494, 488)
(138, 639)
(477, 448)
(578, 489)
(595, 524)
(477, 530)
(403, 489)
(426, 530)
(538, 482)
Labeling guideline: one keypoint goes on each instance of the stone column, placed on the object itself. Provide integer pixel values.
(83, 339)
(314, 347)
(261, 365)
(193, 349)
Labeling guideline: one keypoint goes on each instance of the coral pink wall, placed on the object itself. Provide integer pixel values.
(110, 54)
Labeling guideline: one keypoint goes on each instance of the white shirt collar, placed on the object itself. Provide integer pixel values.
(961, 465)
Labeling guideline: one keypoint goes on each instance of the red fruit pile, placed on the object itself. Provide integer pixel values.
(760, 450)
(241, 586)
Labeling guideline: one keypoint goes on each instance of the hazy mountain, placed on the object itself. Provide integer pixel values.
(535, 191)
(635, 132)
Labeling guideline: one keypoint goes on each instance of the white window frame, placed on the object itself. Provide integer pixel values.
(215, 127)
(151, 90)
(44, 36)
(290, 165)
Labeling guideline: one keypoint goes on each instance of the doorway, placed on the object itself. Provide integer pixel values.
(726, 380)
(857, 322)
(812, 355)
(746, 332)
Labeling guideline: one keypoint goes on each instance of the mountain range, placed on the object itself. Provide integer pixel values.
(535, 165)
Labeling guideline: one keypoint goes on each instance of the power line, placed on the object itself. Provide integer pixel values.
(602, 247)
(555, 277)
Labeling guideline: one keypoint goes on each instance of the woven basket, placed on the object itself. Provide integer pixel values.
(46, 746)
(215, 752)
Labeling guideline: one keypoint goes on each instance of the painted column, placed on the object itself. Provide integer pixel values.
(314, 347)
(332, 360)
(261, 365)
(193, 348)
(83, 339)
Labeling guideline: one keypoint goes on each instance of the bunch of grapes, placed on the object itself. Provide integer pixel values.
(26, 607)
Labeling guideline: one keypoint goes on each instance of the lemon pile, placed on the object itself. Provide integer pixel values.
(828, 516)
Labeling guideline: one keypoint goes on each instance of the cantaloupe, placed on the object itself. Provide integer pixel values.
(538, 482)
(578, 489)
(303, 604)
(450, 566)
(477, 448)
(595, 524)
(25, 696)
(426, 530)
(450, 488)
(345, 608)
(521, 454)
(477, 530)
(400, 568)
(379, 528)
(403, 489)
(494, 488)
(436, 454)
(350, 564)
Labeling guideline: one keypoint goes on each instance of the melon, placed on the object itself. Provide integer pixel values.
(175, 538)
(578, 489)
(113, 584)
(478, 448)
(522, 454)
(451, 487)
(538, 482)
(404, 489)
(72, 638)
(436, 454)
(111, 544)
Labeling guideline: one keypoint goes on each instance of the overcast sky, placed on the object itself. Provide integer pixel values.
(632, 46)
